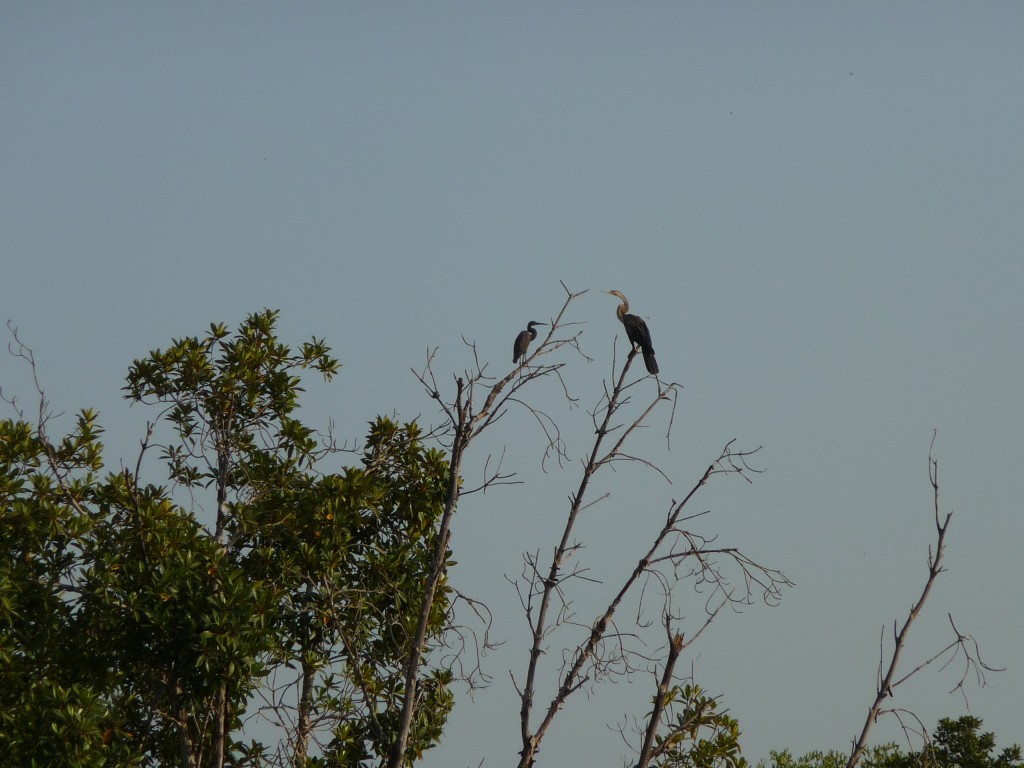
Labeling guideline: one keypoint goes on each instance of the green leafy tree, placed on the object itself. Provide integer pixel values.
(815, 759)
(961, 743)
(52, 711)
(955, 744)
(135, 628)
(699, 735)
(354, 549)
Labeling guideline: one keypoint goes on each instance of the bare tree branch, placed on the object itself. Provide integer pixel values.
(606, 649)
(675, 647)
(962, 644)
(464, 421)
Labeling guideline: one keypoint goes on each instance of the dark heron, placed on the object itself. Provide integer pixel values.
(637, 332)
(523, 341)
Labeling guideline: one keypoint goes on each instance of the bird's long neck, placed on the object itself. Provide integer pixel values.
(622, 309)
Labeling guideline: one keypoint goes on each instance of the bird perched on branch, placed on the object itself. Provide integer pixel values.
(637, 332)
(523, 341)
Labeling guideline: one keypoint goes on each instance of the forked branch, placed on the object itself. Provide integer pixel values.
(603, 650)
(464, 420)
(962, 644)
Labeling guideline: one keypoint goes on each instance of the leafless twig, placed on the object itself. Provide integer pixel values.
(465, 418)
(962, 644)
(604, 649)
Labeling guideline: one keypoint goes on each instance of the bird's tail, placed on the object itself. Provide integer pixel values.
(650, 362)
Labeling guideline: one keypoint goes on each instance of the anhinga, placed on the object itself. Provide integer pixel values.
(637, 332)
(523, 341)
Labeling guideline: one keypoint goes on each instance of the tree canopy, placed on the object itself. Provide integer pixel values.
(138, 628)
(956, 743)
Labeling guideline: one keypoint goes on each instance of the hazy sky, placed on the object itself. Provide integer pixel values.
(817, 207)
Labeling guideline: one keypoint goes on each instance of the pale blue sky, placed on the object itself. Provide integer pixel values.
(816, 206)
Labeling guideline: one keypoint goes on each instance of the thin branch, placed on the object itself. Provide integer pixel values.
(675, 647)
(887, 673)
(595, 658)
(464, 421)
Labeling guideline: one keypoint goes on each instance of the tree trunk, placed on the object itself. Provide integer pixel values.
(220, 707)
(396, 758)
(188, 757)
(304, 727)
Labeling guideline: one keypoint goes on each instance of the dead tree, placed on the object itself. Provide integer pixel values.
(675, 554)
(477, 403)
(961, 646)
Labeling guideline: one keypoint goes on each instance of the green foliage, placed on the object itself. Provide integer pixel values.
(815, 759)
(231, 401)
(959, 743)
(955, 744)
(353, 551)
(700, 736)
(50, 711)
(133, 632)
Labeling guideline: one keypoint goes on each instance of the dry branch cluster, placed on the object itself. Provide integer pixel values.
(566, 654)
(962, 646)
